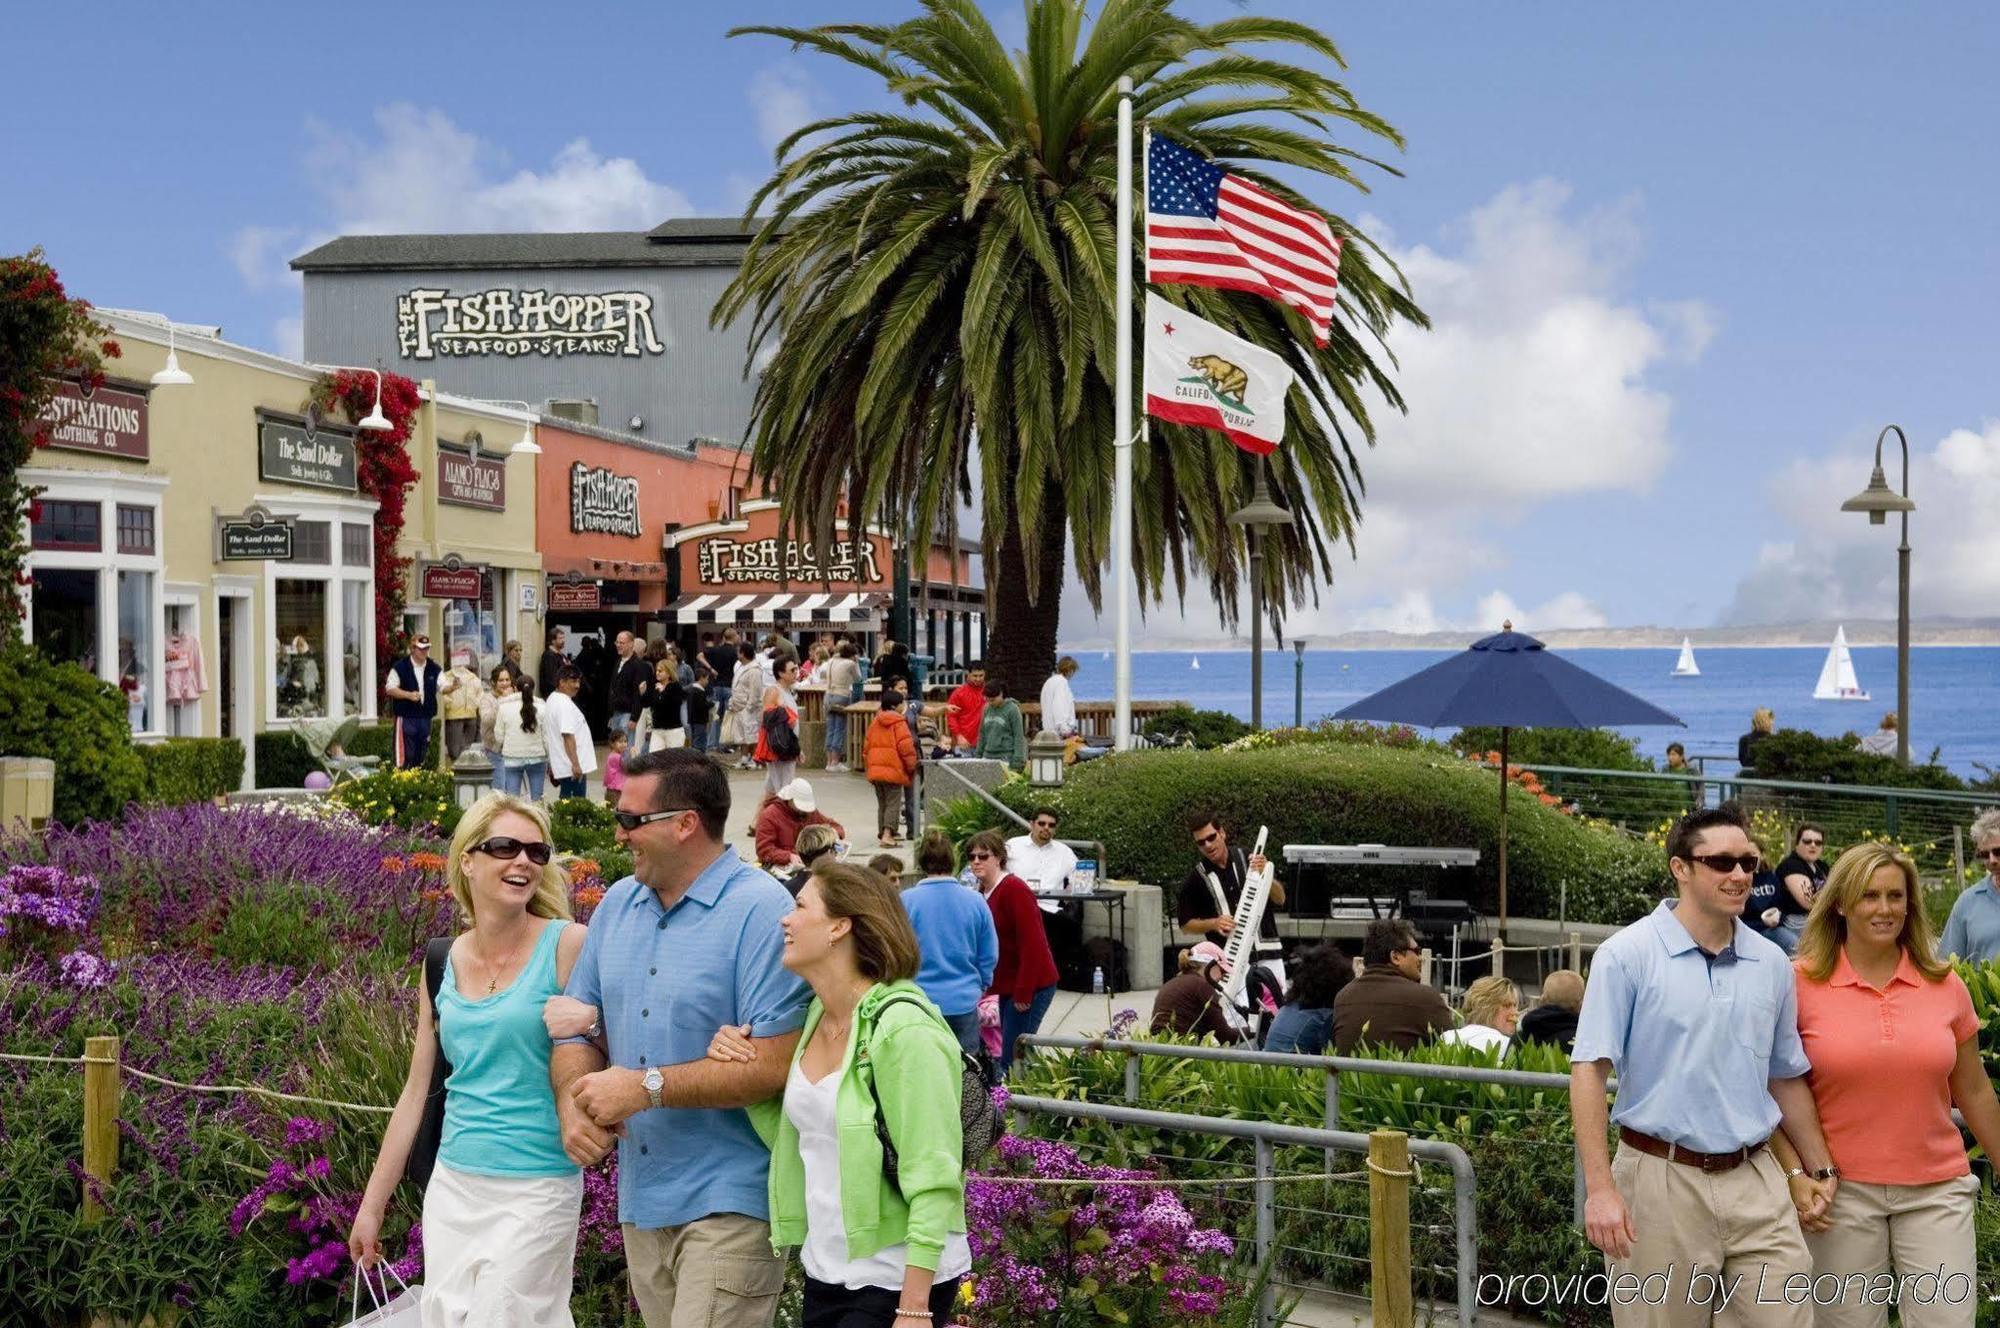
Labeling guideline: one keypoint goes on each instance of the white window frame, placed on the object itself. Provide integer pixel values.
(110, 490)
(335, 575)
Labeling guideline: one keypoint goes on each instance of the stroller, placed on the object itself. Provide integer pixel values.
(327, 739)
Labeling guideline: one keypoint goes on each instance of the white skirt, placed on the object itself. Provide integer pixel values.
(664, 738)
(499, 1251)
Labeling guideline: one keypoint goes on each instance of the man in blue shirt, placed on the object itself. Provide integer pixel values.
(1697, 1015)
(1973, 929)
(688, 943)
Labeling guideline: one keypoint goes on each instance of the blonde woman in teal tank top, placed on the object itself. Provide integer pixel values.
(502, 1205)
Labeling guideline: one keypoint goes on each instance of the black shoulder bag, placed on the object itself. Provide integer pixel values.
(430, 1130)
(980, 1122)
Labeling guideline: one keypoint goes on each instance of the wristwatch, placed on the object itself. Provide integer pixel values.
(654, 1082)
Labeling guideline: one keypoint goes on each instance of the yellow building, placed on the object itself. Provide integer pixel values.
(203, 545)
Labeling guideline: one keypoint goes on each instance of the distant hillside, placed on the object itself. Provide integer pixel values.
(1860, 632)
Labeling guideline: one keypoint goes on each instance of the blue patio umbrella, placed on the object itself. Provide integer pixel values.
(1509, 680)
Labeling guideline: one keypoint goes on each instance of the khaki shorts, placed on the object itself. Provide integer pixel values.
(714, 1272)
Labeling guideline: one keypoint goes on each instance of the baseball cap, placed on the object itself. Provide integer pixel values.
(800, 795)
(1208, 952)
(421, 642)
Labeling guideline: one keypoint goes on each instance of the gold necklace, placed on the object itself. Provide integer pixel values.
(493, 970)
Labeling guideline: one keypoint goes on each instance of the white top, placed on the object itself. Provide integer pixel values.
(1042, 868)
(1882, 742)
(562, 717)
(1058, 706)
(1475, 1035)
(810, 1108)
(516, 743)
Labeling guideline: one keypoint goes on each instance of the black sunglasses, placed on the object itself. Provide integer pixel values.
(1724, 863)
(1988, 854)
(1204, 841)
(630, 821)
(507, 848)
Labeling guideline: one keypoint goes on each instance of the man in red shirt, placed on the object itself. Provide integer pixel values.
(968, 708)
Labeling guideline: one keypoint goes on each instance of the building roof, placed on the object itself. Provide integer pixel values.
(682, 242)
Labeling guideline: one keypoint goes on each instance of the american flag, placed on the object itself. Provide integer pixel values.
(1206, 227)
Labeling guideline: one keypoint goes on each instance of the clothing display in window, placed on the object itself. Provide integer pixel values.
(187, 677)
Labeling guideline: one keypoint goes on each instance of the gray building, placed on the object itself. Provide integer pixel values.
(608, 328)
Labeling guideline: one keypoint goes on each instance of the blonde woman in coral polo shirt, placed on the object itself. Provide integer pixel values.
(1893, 1042)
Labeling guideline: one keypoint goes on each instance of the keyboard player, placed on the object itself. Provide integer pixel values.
(1213, 887)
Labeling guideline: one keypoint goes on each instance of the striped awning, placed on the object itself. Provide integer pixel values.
(778, 610)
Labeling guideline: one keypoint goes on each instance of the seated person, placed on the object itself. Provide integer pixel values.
(785, 813)
(1038, 857)
(1304, 1024)
(1492, 1011)
(1389, 1005)
(1192, 1003)
(1554, 1020)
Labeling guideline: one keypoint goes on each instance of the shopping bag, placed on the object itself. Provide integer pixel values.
(403, 1310)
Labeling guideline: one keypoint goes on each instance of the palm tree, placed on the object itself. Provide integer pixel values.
(939, 289)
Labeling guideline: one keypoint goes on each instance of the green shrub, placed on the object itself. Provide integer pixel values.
(284, 762)
(1354, 731)
(1585, 749)
(411, 799)
(191, 769)
(76, 719)
(582, 825)
(1807, 758)
(1208, 728)
(1345, 794)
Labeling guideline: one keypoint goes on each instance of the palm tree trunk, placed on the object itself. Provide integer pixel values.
(1021, 638)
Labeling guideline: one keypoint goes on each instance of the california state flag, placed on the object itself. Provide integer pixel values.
(1196, 373)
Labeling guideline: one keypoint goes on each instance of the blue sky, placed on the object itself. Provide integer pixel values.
(1685, 260)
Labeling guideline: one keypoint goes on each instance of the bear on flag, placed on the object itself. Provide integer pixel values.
(1198, 374)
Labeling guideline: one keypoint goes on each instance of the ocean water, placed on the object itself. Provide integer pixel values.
(1954, 690)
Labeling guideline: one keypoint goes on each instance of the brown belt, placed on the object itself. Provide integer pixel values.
(1646, 1143)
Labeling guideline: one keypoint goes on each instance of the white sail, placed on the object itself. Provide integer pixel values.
(1194, 662)
(1837, 681)
(1686, 667)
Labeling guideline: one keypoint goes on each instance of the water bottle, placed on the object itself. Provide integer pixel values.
(1097, 981)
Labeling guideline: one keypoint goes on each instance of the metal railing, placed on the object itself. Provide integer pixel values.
(1929, 820)
(1268, 1136)
(1096, 846)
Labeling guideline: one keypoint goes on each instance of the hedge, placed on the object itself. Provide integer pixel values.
(1808, 758)
(191, 769)
(76, 719)
(1339, 793)
(1584, 749)
(284, 762)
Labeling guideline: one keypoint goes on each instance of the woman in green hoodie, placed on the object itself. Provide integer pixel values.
(877, 1253)
(1003, 730)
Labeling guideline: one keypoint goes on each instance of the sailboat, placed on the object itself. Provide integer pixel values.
(1685, 667)
(1194, 662)
(1836, 677)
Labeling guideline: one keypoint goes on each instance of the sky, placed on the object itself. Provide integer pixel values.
(1683, 263)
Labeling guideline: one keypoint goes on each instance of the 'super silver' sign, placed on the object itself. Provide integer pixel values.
(432, 321)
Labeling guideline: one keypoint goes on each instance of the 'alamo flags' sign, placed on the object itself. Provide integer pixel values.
(431, 322)
(1196, 373)
(602, 501)
(323, 459)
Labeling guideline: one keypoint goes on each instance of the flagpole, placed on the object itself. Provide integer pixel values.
(1121, 487)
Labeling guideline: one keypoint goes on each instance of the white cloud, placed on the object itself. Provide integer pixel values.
(422, 174)
(783, 97)
(1837, 565)
(288, 337)
(260, 253)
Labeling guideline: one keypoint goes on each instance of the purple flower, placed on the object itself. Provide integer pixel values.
(302, 1130)
(80, 968)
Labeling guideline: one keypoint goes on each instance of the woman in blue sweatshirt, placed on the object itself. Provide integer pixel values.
(956, 936)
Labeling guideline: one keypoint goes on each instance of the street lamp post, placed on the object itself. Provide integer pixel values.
(1260, 514)
(1878, 500)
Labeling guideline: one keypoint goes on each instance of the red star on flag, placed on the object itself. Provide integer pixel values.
(1169, 328)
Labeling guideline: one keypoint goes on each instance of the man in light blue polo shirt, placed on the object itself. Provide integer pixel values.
(1973, 929)
(689, 942)
(1697, 1015)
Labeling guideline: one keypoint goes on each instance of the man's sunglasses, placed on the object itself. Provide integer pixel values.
(1724, 863)
(1988, 855)
(507, 848)
(1203, 841)
(1811, 843)
(630, 821)
(1045, 825)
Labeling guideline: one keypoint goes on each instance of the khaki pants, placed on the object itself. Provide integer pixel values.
(1887, 1245)
(715, 1272)
(1712, 1248)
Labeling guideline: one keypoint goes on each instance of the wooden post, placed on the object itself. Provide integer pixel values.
(1389, 1228)
(1576, 952)
(100, 1119)
(1426, 978)
(1499, 958)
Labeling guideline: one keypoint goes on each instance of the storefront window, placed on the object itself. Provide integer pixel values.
(66, 615)
(357, 544)
(67, 527)
(301, 664)
(135, 648)
(355, 622)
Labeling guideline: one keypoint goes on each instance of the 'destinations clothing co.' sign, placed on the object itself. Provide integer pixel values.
(432, 321)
